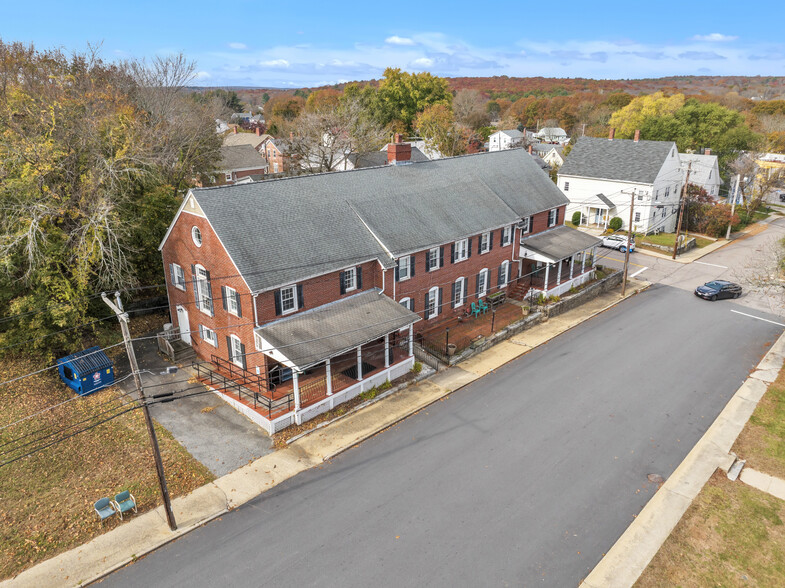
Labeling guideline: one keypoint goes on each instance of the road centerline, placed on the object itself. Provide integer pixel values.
(711, 264)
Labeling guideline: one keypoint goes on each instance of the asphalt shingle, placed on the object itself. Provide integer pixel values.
(620, 159)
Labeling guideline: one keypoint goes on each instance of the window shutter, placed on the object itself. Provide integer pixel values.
(452, 253)
(209, 292)
(500, 277)
(242, 355)
(477, 289)
(359, 277)
(171, 274)
(428, 261)
(425, 312)
(223, 298)
(531, 224)
(479, 245)
(201, 332)
(193, 283)
(488, 281)
(441, 256)
(239, 306)
(490, 241)
(300, 299)
(411, 304)
(396, 272)
(509, 272)
(229, 347)
(277, 303)
(469, 249)
(341, 282)
(439, 303)
(454, 293)
(411, 265)
(464, 290)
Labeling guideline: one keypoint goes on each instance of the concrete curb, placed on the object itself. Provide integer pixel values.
(624, 563)
(252, 480)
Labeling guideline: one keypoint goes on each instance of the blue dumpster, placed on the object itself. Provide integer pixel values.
(86, 371)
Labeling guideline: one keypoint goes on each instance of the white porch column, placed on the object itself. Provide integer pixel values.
(593, 257)
(328, 374)
(572, 263)
(411, 340)
(359, 363)
(387, 350)
(547, 270)
(583, 261)
(296, 387)
(558, 273)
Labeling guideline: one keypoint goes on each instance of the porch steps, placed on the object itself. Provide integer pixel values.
(518, 292)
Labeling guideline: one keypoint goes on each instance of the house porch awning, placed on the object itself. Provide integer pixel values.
(556, 244)
(600, 201)
(309, 338)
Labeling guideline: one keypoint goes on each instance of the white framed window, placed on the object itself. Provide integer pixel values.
(288, 299)
(434, 259)
(459, 292)
(204, 295)
(177, 275)
(236, 351)
(232, 301)
(196, 235)
(553, 217)
(228, 176)
(257, 339)
(462, 250)
(350, 279)
(656, 195)
(566, 186)
(482, 283)
(275, 167)
(208, 335)
(526, 225)
(485, 243)
(407, 303)
(432, 308)
(404, 267)
(667, 191)
(637, 217)
(504, 273)
(507, 236)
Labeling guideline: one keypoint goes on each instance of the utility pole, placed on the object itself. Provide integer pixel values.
(681, 210)
(627, 250)
(122, 317)
(733, 205)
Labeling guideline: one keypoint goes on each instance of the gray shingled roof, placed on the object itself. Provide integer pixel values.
(701, 166)
(620, 159)
(251, 139)
(512, 133)
(282, 231)
(310, 337)
(377, 158)
(241, 157)
(560, 242)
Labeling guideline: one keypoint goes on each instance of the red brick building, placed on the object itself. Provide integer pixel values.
(308, 290)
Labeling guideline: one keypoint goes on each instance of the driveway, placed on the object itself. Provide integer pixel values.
(211, 430)
(525, 477)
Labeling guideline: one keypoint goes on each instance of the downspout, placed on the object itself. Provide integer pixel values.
(381, 266)
(255, 316)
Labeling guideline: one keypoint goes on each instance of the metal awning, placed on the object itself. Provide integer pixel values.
(556, 244)
(600, 201)
(308, 338)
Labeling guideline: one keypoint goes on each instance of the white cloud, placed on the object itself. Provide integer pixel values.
(396, 40)
(238, 46)
(203, 75)
(275, 63)
(715, 37)
(423, 62)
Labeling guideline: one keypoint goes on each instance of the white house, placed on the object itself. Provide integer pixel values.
(704, 171)
(508, 139)
(551, 154)
(600, 175)
(552, 135)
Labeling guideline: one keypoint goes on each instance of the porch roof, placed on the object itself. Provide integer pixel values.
(310, 337)
(602, 201)
(557, 243)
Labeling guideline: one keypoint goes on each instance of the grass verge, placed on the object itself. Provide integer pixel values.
(732, 535)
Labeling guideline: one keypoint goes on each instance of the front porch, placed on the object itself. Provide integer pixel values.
(596, 211)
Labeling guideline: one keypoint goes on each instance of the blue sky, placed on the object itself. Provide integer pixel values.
(304, 43)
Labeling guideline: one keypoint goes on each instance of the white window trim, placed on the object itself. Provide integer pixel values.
(461, 246)
(405, 301)
(566, 186)
(485, 243)
(402, 265)
(208, 335)
(228, 176)
(483, 283)
(293, 290)
(460, 293)
(194, 231)
(257, 339)
(527, 225)
(555, 213)
(506, 266)
(433, 295)
(507, 236)
(433, 267)
(235, 339)
(179, 277)
(202, 291)
(231, 300)
(353, 271)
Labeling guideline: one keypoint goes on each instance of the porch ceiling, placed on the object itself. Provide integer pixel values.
(555, 244)
(310, 337)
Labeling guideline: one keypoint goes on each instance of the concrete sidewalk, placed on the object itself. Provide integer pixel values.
(148, 531)
(629, 556)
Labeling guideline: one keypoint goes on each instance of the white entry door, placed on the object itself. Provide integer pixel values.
(182, 322)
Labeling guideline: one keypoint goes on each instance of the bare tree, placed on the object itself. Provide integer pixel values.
(469, 109)
(756, 179)
(765, 270)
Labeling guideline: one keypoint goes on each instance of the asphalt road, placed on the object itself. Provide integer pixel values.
(525, 477)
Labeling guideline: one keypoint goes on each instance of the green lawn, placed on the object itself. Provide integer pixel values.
(668, 239)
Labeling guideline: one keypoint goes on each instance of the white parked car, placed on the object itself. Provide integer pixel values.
(618, 242)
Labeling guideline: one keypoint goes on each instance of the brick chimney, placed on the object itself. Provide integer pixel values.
(235, 129)
(399, 153)
(611, 134)
(258, 131)
(637, 135)
(707, 151)
(530, 149)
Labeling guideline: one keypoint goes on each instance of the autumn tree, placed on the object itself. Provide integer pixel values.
(437, 125)
(401, 96)
(281, 110)
(323, 100)
(630, 118)
(469, 109)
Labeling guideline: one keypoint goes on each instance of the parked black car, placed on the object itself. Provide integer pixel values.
(717, 289)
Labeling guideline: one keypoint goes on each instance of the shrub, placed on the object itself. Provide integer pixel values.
(416, 368)
(369, 394)
(576, 217)
(615, 223)
(554, 298)
(540, 299)
(386, 386)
